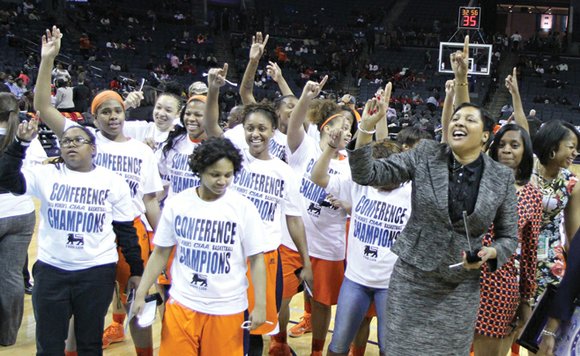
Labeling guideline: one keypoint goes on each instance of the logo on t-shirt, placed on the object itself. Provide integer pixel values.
(371, 253)
(199, 281)
(76, 241)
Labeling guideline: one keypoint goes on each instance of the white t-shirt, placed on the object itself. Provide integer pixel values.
(325, 225)
(377, 220)
(313, 132)
(142, 130)
(214, 240)
(277, 143)
(76, 214)
(174, 167)
(133, 160)
(14, 205)
(273, 188)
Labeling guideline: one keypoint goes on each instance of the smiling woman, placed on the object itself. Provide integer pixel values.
(556, 146)
(455, 188)
(76, 256)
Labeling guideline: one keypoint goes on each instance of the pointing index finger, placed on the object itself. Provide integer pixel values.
(466, 47)
(323, 81)
(225, 70)
(387, 94)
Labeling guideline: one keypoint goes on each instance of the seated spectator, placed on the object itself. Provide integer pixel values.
(115, 66)
(18, 88)
(64, 97)
(59, 73)
(81, 96)
(84, 45)
(24, 76)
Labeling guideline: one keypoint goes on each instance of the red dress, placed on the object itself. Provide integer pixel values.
(503, 290)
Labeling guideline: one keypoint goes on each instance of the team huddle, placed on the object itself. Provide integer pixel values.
(303, 194)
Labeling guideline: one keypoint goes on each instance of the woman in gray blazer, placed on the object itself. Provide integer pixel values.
(434, 291)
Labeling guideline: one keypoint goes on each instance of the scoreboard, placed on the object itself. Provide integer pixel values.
(469, 18)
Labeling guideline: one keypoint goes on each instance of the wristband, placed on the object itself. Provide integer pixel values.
(365, 131)
(21, 141)
(548, 333)
(462, 84)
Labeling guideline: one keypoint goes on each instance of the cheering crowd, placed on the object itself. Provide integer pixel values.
(448, 244)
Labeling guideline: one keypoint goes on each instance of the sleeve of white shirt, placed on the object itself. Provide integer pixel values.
(153, 182)
(136, 129)
(30, 174)
(123, 207)
(340, 187)
(292, 204)
(164, 235)
(253, 234)
(35, 154)
(301, 153)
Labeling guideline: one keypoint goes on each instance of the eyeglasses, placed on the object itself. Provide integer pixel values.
(77, 141)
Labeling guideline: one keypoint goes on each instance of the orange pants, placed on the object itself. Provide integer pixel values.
(328, 276)
(186, 332)
(123, 270)
(291, 261)
(272, 302)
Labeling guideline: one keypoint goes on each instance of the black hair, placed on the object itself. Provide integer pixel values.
(279, 101)
(149, 96)
(265, 109)
(549, 136)
(212, 150)
(488, 121)
(411, 135)
(174, 88)
(92, 140)
(8, 113)
(526, 166)
(179, 132)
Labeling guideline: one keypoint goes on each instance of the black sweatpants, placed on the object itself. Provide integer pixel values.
(57, 294)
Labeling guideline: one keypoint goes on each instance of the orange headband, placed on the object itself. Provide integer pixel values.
(104, 96)
(201, 98)
(329, 120)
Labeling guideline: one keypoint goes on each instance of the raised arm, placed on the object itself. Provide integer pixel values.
(511, 83)
(382, 127)
(256, 52)
(11, 178)
(460, 66)
(48, 52)
(215, 80)
(296, 122)
(375, 110)
(276, 73)
(319, 173)
(447, 108)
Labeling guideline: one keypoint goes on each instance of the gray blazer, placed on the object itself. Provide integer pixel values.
(430, 241)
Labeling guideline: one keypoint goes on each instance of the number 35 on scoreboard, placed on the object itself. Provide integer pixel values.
(469, 18)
